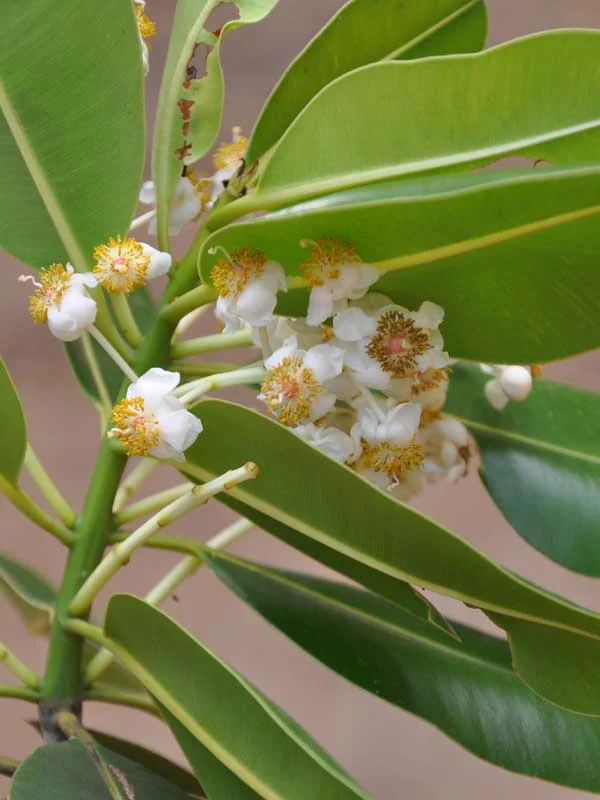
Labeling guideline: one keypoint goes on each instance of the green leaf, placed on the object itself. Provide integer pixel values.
(64, 187)
(269, 752)
(396, 591)
(540, 463)
(360, 34)
(144, 311)
(190, 109)
(152, 761)
(219, 781)
(468, 690)
(328, 502)
(508, 256)
(392, 119)
(67, 772)
(13, 433)
(30, 594)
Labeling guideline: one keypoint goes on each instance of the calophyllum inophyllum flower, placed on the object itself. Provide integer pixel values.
(123, 265)
(510, 382)
(336, 274)
(150, 421)
(295, 389)
(61, 300)
(187, 203)
(247, 284)
(391, 342)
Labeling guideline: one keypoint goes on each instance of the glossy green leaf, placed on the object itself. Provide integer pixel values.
(67, 771)
(296, 486)
(13, 433)
(393, 589)
(72, 129)
(144, 311)
(269, 752)
(540, 463)
(392, 119)
(468, 690)
(509, 256)
(190, 107)
(218, 780)
(30, 594)
(152, 761)
(360, 34)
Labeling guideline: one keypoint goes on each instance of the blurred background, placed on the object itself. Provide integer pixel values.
(391, 754)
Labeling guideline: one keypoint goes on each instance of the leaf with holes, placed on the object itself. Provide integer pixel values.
(356, 36)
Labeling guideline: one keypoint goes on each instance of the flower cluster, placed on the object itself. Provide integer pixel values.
(359, 377)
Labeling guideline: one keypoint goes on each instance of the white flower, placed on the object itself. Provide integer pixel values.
(329, 440)
(123, 265)
(186, 204)
(428, 388)
(511, 382)
(391, 342)
(146, 29)
(386, 440)
(336, 273)
(61, 300)
(446, 448)
(227, 161)
(247, 284)
(295, 389)
(151, 421)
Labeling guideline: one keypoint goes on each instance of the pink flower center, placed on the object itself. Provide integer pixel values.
(397, 345)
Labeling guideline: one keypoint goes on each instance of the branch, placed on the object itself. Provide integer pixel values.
(48, 489)
(32, 511)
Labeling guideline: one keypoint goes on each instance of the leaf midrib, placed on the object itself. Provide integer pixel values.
(539, 444)
(421, 37)
(365, 615)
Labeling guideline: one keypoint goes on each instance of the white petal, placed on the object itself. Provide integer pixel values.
(367, 274)
(320, 305)
(148, 193)
(274, 276)
(289, 348)
(179, 428)
(366, 370)
(353, 324)
(403, 423)
(81, 279)
(256, 304)
(160, 263)
(325, 360)
(224, 311)
(516, 382)
(429, 315)
(454, 430)
(62, 325)
(324, 403)
(367, 426)
(495, 395)
(76, 313)
(154, 384)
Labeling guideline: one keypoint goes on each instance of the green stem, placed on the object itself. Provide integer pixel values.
(18, 668)
(151, 504)
(32, 511)
(18, 693)
(203, 368)
(113, 353)
(190, 301)
(98, 377)
(238, 377)
(213, 343)
(133, 481)
(48, 489)
(126, 320)
(121, 553)
(105, 324)
(120, 697)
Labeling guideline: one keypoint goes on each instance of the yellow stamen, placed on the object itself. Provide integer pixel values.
(432, 378)
(536, 371)
(136, 428)
(231, 155)
(395, 460)
(202, 186)
(146, 26)
(121, 265)
(53, 283)
(397, 344)
(232, 274)
(290, 390)
(326, 257)
(429, 415)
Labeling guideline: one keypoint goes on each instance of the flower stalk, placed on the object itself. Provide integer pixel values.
(152, 503)
(121, 553)
(32, 511)
(188, 302)
(48, 488)
(113, 353)
(212, 344)
(238, 377)
(126, 320)
(133, 481)
(19, 668)
(97, 376)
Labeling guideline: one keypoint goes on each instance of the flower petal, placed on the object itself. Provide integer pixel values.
(353, 324)
(325, 360)
(153, 385)
(320, 305)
